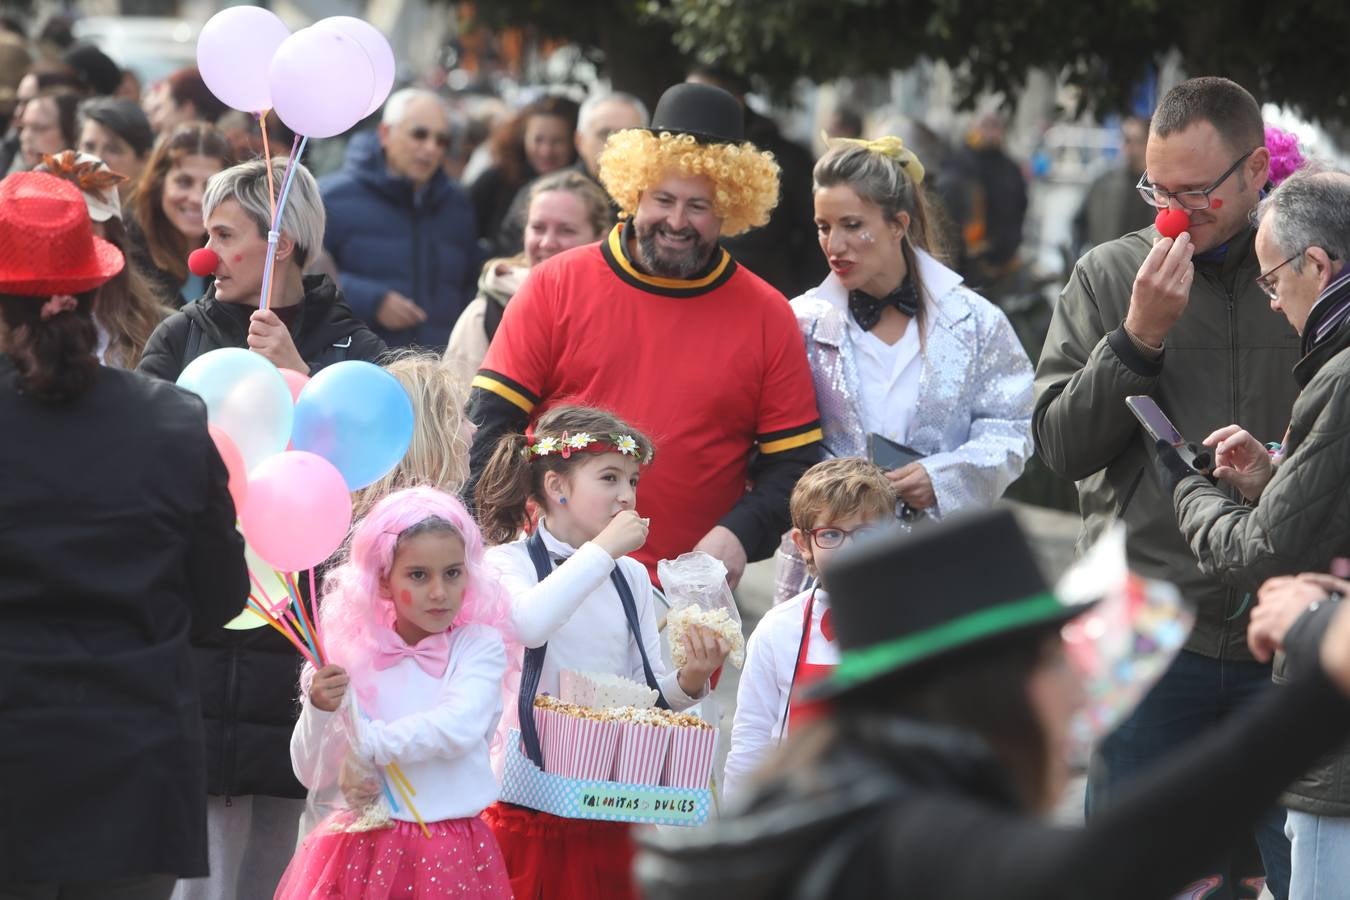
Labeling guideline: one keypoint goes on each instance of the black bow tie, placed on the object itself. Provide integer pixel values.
(866, 309)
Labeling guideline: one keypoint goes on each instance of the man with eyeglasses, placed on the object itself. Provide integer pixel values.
(1295, 518)
(1182, 321)
(400, 230)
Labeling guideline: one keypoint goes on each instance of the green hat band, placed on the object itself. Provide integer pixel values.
(856, 666)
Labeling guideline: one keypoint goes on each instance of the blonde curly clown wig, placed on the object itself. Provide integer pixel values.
(745, 178)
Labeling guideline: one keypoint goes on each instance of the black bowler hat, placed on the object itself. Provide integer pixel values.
(899, 600)
(709, 113)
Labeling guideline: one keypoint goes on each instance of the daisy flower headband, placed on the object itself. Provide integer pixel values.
(584, 442)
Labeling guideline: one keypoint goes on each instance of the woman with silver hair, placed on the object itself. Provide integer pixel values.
(306, 324)
(912, 368)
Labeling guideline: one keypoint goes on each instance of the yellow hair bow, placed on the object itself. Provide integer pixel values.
(890, 147)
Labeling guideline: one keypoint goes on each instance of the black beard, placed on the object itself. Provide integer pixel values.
(667, 264)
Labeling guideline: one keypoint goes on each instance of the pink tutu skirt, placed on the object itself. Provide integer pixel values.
(460, 859)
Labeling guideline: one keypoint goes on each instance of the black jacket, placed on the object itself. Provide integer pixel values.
(905, 809)
(249, 678)
(117, 541)
(325, 332)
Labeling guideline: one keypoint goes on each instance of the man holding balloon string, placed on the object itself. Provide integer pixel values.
(1174, 312)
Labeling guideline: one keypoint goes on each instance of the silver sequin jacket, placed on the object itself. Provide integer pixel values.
(973, 419)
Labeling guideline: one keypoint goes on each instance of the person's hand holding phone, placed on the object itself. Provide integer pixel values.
(1241, 460)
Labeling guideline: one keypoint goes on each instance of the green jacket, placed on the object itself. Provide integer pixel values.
(1227, 360)
(1300, 524)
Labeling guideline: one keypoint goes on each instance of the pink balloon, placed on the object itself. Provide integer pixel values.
(234, 464)
(295, 381)
(322, 82)
(234, 54)
(298, 510)
(376, 45)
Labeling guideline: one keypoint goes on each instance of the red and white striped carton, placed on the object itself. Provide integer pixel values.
(689, 763)
(642, 752)
(543, 718)
(585, 748)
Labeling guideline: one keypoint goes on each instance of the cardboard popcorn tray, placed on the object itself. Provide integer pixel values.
(614, 801)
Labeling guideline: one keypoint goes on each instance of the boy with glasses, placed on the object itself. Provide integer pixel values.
(1183, 321)
(835, 502)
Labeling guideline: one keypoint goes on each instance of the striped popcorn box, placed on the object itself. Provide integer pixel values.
(587, 747)
(642, 752)
(689, 763)
(542, 720)
(553, 739)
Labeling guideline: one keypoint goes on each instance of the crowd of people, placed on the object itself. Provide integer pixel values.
(634, 335)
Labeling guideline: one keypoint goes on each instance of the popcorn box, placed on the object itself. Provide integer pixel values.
(690, 759)
(524, 784)
(577, 748)
(641, 756)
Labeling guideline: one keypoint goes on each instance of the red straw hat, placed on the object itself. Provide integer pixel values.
(47, 243)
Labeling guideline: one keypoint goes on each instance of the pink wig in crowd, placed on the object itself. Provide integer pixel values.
(1285, 156)
(352, 607)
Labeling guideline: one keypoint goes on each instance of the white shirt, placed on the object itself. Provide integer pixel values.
(576, 610)
(888, 379)
(437, 729)
(766, 683)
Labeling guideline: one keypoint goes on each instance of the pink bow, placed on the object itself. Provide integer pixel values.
(432, 653)
(58, 304)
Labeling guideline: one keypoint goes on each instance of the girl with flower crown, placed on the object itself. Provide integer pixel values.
(407, 705)
(578, 602)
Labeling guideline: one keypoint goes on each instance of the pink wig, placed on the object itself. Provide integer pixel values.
(352, 607)
(1285, 156)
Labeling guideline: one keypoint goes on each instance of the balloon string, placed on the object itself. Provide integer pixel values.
(297, 149)
(267, 154)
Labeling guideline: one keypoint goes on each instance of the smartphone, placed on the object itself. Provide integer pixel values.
(1160, 428)
(888, 455)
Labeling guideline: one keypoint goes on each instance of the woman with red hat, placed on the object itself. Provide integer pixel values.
(117, 540)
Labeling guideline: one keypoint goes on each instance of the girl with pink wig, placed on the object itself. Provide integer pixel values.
(410, 695)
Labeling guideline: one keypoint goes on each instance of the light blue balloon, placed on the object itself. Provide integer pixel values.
(246, 397)
(358, 417)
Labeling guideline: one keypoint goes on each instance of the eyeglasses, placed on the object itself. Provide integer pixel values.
(421, 134)
(1267, 284)
(829, 537)
(1156, 196)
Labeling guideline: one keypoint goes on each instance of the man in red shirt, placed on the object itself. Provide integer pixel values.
(659, 325)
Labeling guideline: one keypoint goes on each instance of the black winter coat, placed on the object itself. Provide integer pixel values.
(117, 541)
(325, 332)
(249, 679)
(905, 809)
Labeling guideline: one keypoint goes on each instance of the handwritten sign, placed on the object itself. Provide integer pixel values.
(634, 800)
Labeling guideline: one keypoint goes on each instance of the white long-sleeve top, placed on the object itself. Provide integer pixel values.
(437, 729)
(766, 682)
(576, 610)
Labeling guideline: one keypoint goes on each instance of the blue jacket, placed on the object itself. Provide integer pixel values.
(383, 238)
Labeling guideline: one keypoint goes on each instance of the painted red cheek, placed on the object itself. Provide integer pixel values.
(239, 257)
(1216, 203)
(405, 597)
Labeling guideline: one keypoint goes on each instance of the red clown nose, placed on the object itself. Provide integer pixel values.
(1172, 222)
(203, 261)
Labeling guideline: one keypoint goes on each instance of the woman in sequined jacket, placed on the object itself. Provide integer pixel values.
(901, 348)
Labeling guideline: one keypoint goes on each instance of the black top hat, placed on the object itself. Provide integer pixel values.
(709, 113)
(901, 599)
